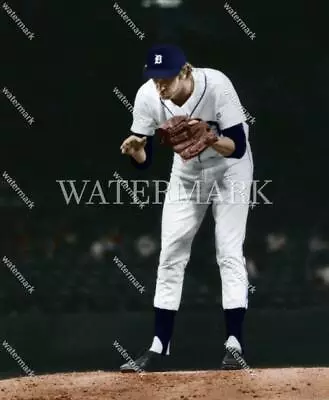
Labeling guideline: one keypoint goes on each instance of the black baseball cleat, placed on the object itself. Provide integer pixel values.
(233, 360)
(147, 362)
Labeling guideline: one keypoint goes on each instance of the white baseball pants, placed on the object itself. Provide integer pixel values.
(225, 185)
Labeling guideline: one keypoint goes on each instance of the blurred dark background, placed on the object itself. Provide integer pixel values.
(65, 78)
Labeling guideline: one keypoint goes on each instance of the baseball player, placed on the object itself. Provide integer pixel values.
(198, 113)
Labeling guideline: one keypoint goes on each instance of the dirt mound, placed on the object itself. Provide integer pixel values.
(267, 384)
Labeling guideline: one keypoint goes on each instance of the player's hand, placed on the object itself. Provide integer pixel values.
(133, 145)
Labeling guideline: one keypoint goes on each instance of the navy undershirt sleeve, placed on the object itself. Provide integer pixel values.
(237, 134)
(148, 150)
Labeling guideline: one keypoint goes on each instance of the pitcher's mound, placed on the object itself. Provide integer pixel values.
(267, 384)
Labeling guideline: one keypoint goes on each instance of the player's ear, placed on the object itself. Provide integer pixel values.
(185, 71)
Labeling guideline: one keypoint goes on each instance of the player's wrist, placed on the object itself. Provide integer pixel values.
(224, 145)
(139, 155)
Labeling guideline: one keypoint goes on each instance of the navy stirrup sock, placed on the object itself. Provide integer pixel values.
(163, 330)
(234, 320)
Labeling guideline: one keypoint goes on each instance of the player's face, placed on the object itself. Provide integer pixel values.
(167, 87)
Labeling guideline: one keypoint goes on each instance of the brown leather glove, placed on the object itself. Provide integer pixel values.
(187, 137)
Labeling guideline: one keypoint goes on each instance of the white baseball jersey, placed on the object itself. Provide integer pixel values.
(213, 99)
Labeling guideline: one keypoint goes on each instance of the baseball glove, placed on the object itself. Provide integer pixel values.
(186, 139)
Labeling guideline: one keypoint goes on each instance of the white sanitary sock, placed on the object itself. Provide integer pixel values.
(157, 346)
(233, 343)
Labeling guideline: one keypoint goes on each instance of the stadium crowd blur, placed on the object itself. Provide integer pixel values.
(70, 261)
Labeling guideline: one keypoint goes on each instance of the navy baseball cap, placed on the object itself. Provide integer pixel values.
(164, 61)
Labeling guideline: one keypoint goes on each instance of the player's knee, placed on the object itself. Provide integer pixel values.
(174, 263)
(230, 260)
(174, 252)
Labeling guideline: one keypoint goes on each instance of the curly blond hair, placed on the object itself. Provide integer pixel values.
(186, 71)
